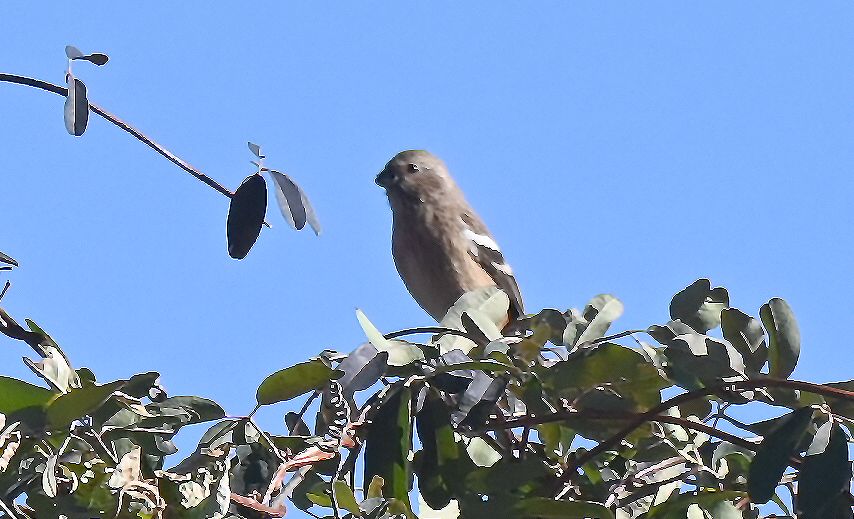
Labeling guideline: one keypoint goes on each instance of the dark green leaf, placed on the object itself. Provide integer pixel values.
(246, 215)
(76, 107)
(544, 508)
(785, 337)
(388, 443)
(773, 454)
(139, 384)
(678, 506)
(97, 58)
(200, 409)
(747, 336)
(16, 395)
(825, 472)
(79, 403)
(705, 357)
(622, 370)
(699, 305)
(294, 381)
(842, 406)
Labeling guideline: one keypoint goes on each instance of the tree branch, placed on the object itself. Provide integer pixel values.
(60, 90)
(650, 415)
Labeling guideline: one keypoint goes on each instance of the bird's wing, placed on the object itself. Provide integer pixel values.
(484, 250)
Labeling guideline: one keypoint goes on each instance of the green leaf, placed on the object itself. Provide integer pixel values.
(785, 338)
(825, 472)
(678, 506)
(620, 369)
(545, 508)
(773, 455)
(699, 305)
(16, 395)
(79, 403)
(294, 381)
(375, 487)
(400, 353)
(746, 335)
(841, 406)
(345, 498)
(488, 304)
(600, 312)
(246, 215)
(200, 409)
(388, 444)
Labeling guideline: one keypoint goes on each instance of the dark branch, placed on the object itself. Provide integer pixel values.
(56, 89)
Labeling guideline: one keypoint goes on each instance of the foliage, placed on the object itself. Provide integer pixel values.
(553, 420)
(548, 418)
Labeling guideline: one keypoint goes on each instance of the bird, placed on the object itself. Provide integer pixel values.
(441, 247)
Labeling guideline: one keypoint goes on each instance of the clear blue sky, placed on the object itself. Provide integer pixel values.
(622, 147)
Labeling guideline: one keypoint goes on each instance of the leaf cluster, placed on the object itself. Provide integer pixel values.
(556, 419)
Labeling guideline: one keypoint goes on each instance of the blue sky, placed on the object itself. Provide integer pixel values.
(621, 147)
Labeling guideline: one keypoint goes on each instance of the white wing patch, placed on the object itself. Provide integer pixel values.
(503, 267)
(480, 239)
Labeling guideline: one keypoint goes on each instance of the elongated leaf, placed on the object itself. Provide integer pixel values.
(825, 473)
(773, 455)
(246, 216)
(6, 259)
(294, 381)
(389, 440)
(478, 400)
(345, 498)
(16, 395)
(79, 403)
(699, 305)
(490, 303)
(559, 509)
(76, 106)
(600, 312)
(785, 337)
(255, 149)
(362, 368)
(747, 336)
(293, 203)
(200, 409)
(400, 353)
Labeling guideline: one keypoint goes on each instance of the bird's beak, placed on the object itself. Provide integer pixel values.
(385, 179)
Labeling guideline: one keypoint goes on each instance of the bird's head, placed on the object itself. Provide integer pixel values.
(416, 173)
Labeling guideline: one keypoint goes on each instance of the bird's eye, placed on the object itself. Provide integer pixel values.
(413, 168)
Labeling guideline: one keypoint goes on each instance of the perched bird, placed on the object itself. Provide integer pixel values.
(441, 247)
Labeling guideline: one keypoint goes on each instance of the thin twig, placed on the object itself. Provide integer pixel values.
(616, 336)
(435, 330)
(5, 288)
(743, 385)
(60, 90)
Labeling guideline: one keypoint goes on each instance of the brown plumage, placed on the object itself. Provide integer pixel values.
(441, 247)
